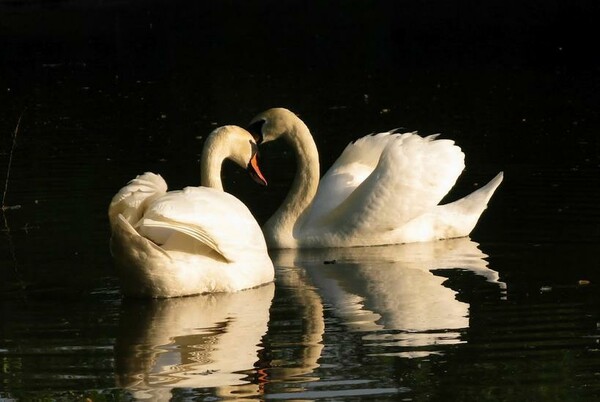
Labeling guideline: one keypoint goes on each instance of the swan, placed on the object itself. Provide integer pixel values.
(383, 189)
(192, 241)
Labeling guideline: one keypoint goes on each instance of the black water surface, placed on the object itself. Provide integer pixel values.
(110, 89)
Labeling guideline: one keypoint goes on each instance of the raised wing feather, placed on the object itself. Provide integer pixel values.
(132, 199)
(354, 165)
(211, 217)
(412, 175)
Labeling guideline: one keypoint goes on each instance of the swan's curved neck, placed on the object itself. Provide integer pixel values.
(280, 227)
(211, 161)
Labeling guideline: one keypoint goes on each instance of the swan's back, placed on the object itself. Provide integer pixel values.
(211, 217)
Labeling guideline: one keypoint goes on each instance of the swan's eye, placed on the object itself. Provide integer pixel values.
(255, 128)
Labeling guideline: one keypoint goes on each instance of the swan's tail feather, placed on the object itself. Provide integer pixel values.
(483, 195)
(367, 150)
(462, 215)
(132, 199)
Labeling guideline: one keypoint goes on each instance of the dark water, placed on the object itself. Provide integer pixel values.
(110, 89)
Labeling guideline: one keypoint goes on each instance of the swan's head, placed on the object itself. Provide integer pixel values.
(271, 124)
(238, 145)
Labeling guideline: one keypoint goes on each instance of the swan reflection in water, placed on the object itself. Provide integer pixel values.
(392, 292)
(237, 343)
(217, 341)
(210, 340)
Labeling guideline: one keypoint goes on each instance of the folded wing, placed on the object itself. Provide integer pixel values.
(202, 216)
(353, 166)
(411, 176)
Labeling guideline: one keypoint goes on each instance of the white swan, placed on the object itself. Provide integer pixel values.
(196, 240)
(383, 189)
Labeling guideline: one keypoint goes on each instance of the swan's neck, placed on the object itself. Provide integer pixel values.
(279, 229)
(211, 161)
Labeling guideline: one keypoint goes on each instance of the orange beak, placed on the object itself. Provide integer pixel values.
(255, 172)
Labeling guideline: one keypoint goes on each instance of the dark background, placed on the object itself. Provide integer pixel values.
(109, 89)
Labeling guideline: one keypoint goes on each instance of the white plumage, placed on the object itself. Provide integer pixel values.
(196, 240)
(383, 189)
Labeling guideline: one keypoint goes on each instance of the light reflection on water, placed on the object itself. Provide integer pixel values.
(280, 341)
(387, 294)
(393, 288)
(195, 342)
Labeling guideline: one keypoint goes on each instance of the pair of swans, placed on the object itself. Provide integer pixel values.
(383, 189)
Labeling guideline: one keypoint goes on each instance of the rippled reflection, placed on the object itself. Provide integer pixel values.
(193, 342)
(296, 333)
(392, 292)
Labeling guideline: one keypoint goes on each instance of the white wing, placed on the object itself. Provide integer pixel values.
(132, 199)
(412, 175)
(353, 166)
(208, 216)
